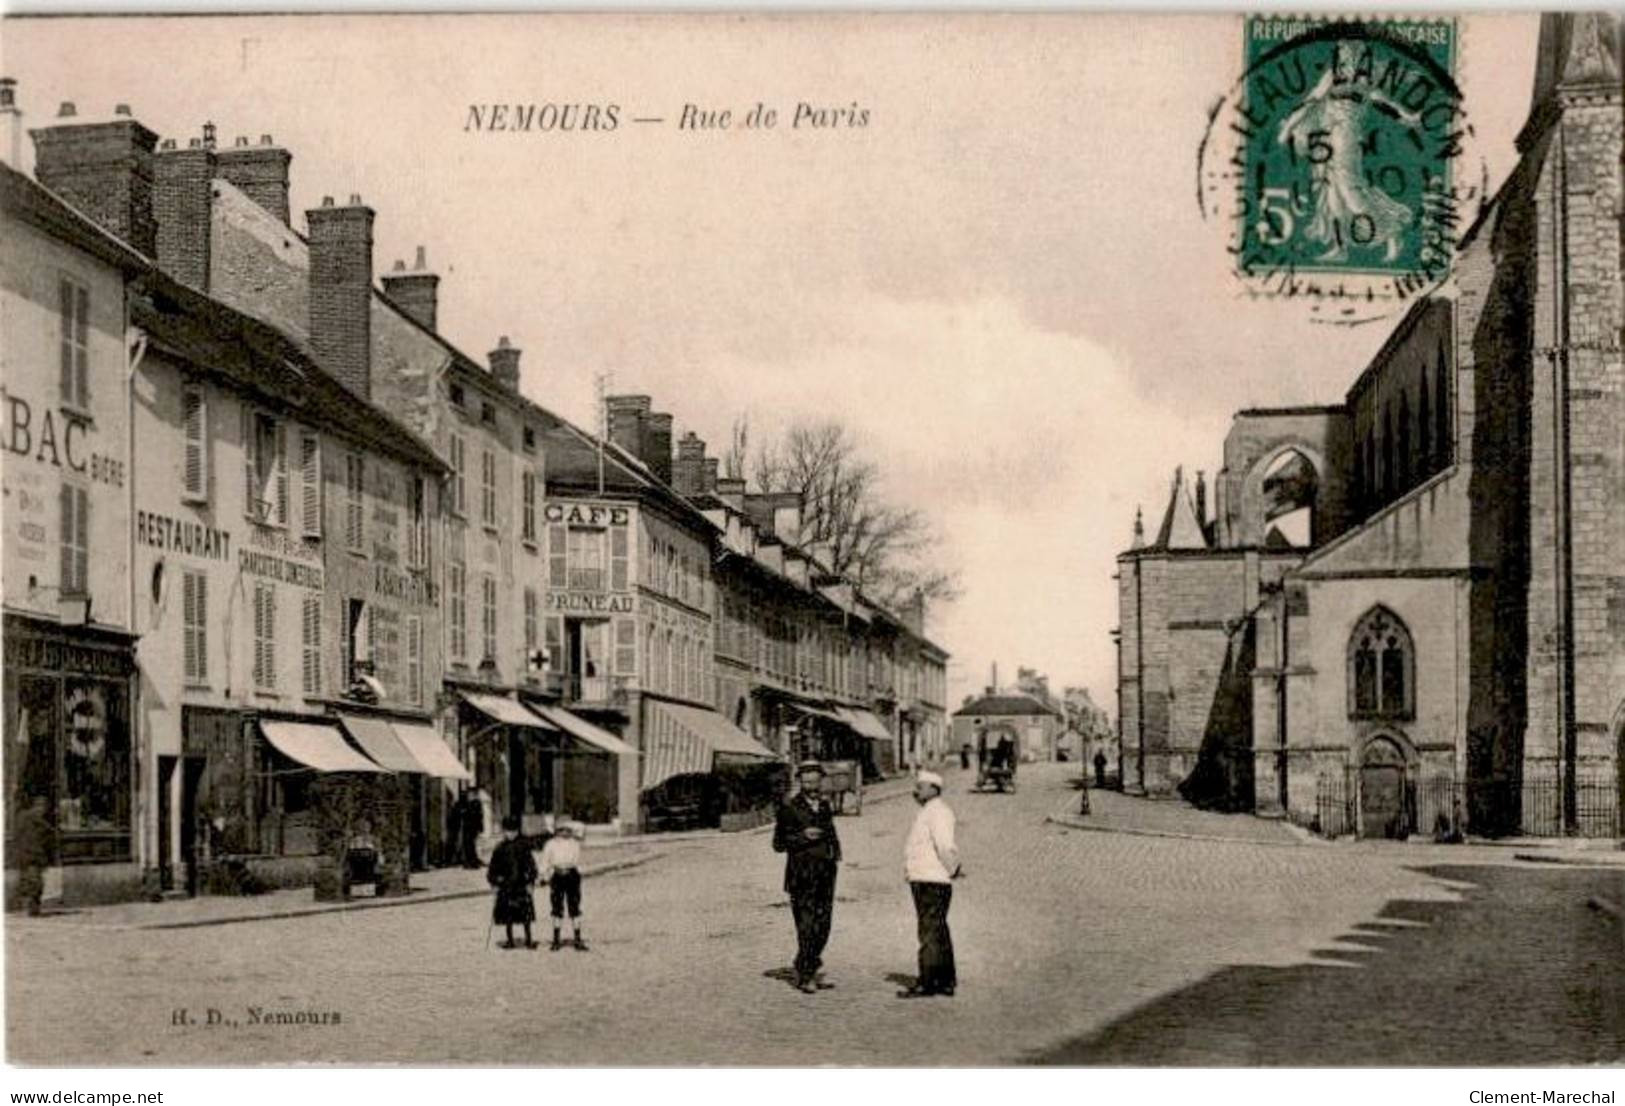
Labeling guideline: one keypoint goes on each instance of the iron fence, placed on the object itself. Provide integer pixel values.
(1437, 805)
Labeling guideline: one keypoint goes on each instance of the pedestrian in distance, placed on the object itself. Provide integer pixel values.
(964, 756)
(805, 833)
(470, 824)
(561, 871)
(512, 872)
(931, 864)
(32, 846)
(1100, 768)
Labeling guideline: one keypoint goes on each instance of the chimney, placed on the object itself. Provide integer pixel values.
(418, 294)
(505, 364)
(104, 170)
(688, 471)
(1201, 500)
(1139, 530)
(657, 445)
(709, 477)
(341, 291)
(731, 490)
(11, 120)
(913, 612)
(259, 172)
(182, 204)
(626, 415)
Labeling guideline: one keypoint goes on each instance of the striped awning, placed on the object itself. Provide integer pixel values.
(431, 751)
(498, 708)
(583, 730)
(865, 724)
(679, 739)
(378, 740)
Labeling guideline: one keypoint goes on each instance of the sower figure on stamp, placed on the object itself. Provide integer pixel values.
(931, 863)
(513, 873)
(805, 833)
(561, 871)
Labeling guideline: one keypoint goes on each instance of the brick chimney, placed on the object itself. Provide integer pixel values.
(182, 204)
(104, 170)
(259, 172)
(712, 467)
(657, 445)
(418, 293)
(688, 471)
(626, 418)
(505, 363)
(341, 291)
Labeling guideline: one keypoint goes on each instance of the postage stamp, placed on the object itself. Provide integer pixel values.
(1336, 160)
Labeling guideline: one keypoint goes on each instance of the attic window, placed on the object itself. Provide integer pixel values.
(530, 438)
(457, 395)
(488, 414)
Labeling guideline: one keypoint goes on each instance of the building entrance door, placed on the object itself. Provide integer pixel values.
(586, 645)
(192, 845)
(1382, 791)
(166, 837)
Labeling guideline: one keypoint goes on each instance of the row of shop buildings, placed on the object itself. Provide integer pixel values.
(279, 557)
(1405, 611)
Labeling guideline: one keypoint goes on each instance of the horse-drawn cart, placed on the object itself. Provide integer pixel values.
(843, 785)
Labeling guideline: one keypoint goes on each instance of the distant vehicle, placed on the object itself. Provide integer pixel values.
(996, 758)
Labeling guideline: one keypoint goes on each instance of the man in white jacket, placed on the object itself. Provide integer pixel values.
(931, 863)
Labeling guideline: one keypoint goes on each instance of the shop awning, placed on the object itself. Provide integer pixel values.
(584, 730)
(377, 739)
(316, 745)
(865, 724)
(510, 712)
(681, 739)
(430, 751)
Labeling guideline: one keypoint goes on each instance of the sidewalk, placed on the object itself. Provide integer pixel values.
(435, 885)
(1114, 812)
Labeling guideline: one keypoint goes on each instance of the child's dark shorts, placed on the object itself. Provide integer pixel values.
(565, 890)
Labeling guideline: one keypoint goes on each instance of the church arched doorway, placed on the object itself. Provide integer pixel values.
(1385, 790)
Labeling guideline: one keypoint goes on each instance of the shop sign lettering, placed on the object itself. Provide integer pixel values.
(589, 602)
(28, 436)
(275, 568)
(587, 514)
(175, 535)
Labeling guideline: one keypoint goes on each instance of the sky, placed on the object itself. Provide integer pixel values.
(1001, 283)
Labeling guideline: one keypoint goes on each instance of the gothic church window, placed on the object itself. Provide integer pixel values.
(1381, 667)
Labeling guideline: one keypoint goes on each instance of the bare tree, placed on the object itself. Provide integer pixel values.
(733, 462)
(887, 551)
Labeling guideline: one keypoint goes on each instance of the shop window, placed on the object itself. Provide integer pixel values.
(95, 792)
(74, 329)
(1381, 667)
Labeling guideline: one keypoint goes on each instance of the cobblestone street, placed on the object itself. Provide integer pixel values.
(1074, 947)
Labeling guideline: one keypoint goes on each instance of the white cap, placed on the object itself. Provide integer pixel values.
(931, 778)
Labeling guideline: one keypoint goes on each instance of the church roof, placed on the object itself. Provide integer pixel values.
(1180, 528)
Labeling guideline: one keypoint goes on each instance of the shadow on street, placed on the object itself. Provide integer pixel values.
(1520, 971)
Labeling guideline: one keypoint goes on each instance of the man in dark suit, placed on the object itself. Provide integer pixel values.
(805, 833)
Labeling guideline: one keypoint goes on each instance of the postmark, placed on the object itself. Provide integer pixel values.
(1339, 166)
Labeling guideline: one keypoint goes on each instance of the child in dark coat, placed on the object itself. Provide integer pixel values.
(512, 872)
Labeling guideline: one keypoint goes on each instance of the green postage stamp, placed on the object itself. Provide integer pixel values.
(1343, 139)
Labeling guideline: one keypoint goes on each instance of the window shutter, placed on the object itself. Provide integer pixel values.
(66, 510)
(189, 621)
(195, 433)
(626, 651)
(81, 549)
(81, 347)
(201, 632)
(414, 659)
(251, 488)
(310, 470)
(617, 558)
(556, 561)
(65, 308)
(281, 467)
